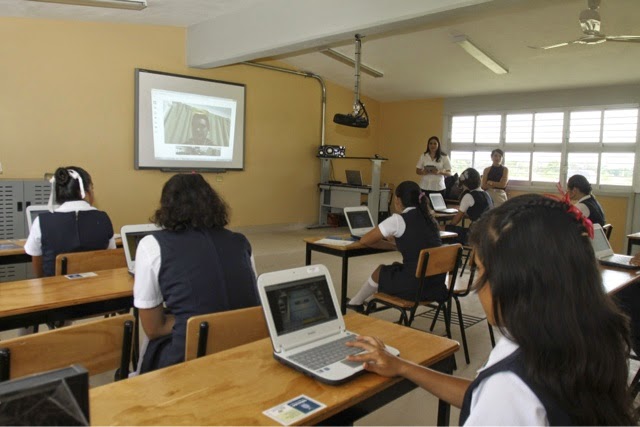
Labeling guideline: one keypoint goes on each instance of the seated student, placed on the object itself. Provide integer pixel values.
(579, 190)
(563, 356)
(194, 266)
(75, 226)
(412, 230)
(473, 204)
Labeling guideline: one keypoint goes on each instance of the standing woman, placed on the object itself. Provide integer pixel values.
(495, 178)
(412, 229)
(433, 166)
(193, 266)
(75, 226)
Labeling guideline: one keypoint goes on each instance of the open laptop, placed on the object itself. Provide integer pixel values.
(131, 236)
(437, 201)
(359, 220)
(605, 254)
(306, 326)
(33, 211)
(354, 177)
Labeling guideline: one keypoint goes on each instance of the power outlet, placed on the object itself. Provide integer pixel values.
(219, 178)
(0, 168)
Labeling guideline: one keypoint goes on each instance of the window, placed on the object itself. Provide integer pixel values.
(546, 147)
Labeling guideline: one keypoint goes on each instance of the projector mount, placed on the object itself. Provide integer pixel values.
(359, 117)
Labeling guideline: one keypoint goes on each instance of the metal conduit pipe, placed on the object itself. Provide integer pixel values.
(302, 74)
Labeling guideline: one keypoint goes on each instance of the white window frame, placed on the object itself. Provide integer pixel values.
(564, 148)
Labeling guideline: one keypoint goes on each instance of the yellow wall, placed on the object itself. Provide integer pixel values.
(68, 98)
(405, 129)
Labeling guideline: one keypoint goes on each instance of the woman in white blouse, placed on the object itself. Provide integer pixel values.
(433, 166)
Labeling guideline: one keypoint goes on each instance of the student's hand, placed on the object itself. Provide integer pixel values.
(377, 359)
(635, 260)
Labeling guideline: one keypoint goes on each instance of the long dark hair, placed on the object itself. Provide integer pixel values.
(189, 202)
(548, 297)
(411, 195)
(67, 188)
(439, 152)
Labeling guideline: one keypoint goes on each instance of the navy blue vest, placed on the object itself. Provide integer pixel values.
(417, 236)
(515, 363)
(495, 174)
(202, 271)
(78, 231)
(481, 203)
(596, 214)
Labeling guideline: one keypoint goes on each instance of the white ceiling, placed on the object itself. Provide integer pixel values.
(422, 61)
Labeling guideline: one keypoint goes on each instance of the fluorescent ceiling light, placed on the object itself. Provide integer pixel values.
(115, 4)
(479, 55)
(346, 60)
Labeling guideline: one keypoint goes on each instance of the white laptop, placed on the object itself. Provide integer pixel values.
(359, 220)
(33, 211)
(437, 201)
(605, 254)
(131, 236)
(354, 177)
(304, 321)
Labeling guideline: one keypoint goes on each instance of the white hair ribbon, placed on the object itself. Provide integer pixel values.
(76, 175)
(52, 194)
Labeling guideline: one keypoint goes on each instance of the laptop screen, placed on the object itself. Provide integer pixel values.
(437, 201)
(133, 240)
(300, 304)
(600, 243)
(359, 219)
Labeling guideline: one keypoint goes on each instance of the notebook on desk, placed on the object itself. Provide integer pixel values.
(354, 178)
(306, 326)
(359, 220)
(605, 254)
(131, 236)
(437, 201)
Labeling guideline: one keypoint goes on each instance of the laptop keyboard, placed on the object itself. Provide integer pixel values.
(326, 354)
(618, 259)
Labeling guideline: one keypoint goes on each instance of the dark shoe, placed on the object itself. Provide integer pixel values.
(359, 308)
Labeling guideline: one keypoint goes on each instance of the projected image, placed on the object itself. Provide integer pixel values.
(185, 124)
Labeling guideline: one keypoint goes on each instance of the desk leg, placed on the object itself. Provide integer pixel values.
(444, 409)
(629, 246)
(345, 278)
(307, 259)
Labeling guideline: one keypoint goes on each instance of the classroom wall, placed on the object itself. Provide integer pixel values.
(405, 128)
(68, 99)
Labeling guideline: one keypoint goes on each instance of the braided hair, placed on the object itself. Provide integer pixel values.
(548, 297)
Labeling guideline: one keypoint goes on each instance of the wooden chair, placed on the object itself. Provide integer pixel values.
(82, 262)
(608, 229)
(99, 346)
(432, 261)
(211, 333)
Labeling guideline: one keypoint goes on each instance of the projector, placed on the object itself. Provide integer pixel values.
(351, 120)
(331, 151)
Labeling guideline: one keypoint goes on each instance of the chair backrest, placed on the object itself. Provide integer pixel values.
(99, 346)
(82, 262)
(211, 333)
(440, 260)
(608, 228)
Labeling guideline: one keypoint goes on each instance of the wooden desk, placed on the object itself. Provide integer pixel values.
(632, 239)
(233, 387)
(614, 279)
(35, 301)
(12, 251)
(345, 252)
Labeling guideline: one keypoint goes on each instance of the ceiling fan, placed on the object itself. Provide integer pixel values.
(590, 23)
